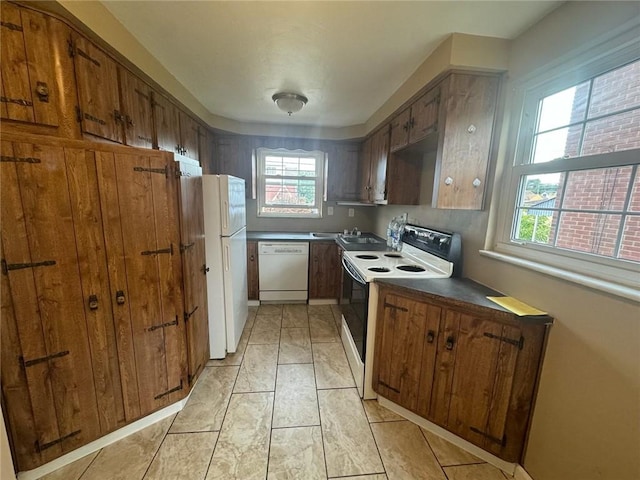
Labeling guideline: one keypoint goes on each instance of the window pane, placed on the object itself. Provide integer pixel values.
(273, 165)
(630, 246)
(589, 232)
(308, 167)
(616, 90)
(599, 189)
(563, 108)
(634, 203)
(562, 143)
(612, 134)
(536, 217)
(535, 226)
(289, 192)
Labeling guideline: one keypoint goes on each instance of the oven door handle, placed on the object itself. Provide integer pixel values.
(347, 268)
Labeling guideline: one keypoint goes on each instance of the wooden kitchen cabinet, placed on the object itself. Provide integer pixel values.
(92, 307)
(468, 370)
(324, 270)
(467, 116)
(136, 110)
(253, 282)
(416, 122)
(192, 248)
(189, 136)
(176, 131)
(375, 153)
(234, 155)
(27, 71)
(343, 172)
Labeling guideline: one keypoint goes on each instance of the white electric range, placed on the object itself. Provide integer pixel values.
(426, 253)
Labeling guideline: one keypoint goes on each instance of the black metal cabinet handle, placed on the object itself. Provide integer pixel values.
(93, 302)
(120, 298)
(431, 335)
(205, 269)
(449, 343)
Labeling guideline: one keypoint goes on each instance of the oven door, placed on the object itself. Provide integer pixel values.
(354, 305)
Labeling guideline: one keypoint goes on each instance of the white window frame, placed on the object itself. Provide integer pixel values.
(320, 188)
(617, 276)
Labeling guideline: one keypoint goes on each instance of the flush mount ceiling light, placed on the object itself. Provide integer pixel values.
(289, 102)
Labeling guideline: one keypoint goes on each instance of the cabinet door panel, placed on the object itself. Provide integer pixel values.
(167, 124)
(379, 157)
(17, 101)
(136, 106)
(253, 284)
(235, 155)
(428, 364)
(424, 115)
(97, 79)
(365, 170)
(400, 130)
(445, 361)
(324, 270)
(189, 133)
(343, 177)
(62, 340)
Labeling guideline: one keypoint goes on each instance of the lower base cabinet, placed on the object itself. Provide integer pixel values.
(324, 270)
(468, 369)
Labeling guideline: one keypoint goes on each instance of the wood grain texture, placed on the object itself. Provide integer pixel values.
(428, 363)
(166, 123)
(97, 81)
(379, 157)
(399, 126)
(424, 115)
(233, 155)
(445, 363)
(189, 133)
(136, 106)
(253, 284)
(343, 172)
(403, 179)
(365, 169)
(324, 270)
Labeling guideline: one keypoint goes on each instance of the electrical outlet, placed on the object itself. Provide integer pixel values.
(329, 210)
(352, 212)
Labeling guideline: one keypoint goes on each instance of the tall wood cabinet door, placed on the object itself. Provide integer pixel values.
(365, 170)
(97, 79)
(167, 124)
(400, 131)
(324, 270)
(47, 296)
(235, 155)
(428, 362)
(424, 115)
(400, 341)
(27, 71)
(193, 260)
(379, 158)
(136, 110)
(189, 135)
(343, 177)
(253, 284)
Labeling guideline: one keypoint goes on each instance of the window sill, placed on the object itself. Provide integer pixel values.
(580, 279)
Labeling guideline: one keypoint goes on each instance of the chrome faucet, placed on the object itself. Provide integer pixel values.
(355, 231)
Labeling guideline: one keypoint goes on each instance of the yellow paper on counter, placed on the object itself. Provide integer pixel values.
(516, 306)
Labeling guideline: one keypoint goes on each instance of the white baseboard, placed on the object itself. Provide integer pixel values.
(521, 474)
(506, 467)
(102, 442)
(253, 303)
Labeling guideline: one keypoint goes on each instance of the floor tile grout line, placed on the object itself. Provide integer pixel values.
(90, 463)
(433, 452)
(160, 445)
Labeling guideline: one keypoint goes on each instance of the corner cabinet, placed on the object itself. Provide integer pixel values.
(467, 369)
(93, 313)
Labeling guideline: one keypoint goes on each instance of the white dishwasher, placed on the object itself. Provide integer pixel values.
(283, 271)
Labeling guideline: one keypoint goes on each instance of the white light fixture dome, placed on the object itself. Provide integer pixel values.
(289, 102)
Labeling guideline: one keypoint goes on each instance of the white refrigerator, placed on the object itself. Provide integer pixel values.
(225, 229)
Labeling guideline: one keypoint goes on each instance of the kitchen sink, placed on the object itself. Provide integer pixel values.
(348, 239)
(324, 235)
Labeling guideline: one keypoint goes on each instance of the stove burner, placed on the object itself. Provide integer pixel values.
(410, 268)
(379, 269)
(367, 257)
(393, 255)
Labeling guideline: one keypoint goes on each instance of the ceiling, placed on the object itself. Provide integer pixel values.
(348, 58)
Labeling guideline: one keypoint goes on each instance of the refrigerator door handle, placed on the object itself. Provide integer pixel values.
(227, 258)
(225, 216)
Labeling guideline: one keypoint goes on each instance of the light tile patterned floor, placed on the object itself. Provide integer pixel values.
(283, 406)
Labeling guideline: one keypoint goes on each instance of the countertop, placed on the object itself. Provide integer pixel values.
(308, 237)
(462, 290)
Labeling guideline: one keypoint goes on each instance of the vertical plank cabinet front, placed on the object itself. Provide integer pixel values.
(136, 110)
(99, 111)
(234, 154)
(324, 270)
(424, 115)
(365, 170)
(343, 175)
(46, 290)
(189, 135)
(167, 124)
(147, 289)
(193, 269)
(379, 157)
(253, 277)
(399, 126)
(28, 79)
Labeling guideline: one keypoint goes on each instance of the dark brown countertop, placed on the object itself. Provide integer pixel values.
(308, 237)
(462, 290)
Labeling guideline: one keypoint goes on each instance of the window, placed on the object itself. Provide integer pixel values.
(290, 183)
(575, 183)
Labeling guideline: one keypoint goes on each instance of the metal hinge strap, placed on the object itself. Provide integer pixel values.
(19, 159)
(388, 386)
(18, 101)
(518, 343)
(184, 248)
(6, 267)
(145, 139)
(168, 250)
(12, 26)
(163, 325)
(164, 171)
(44, 446)
(35, 361)
(174, 389)
(391, 305)
(84, 54)
(188, 315)
(500, 441)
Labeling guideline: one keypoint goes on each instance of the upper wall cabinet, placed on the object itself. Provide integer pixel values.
(375, 153)
(416, 122)
(136, 110)
(176, 131)
(99, 109)
(342, 172)
(234, 157)
(467, 116)
(28, 92)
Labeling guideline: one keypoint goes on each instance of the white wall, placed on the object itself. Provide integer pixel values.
(586, 424)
